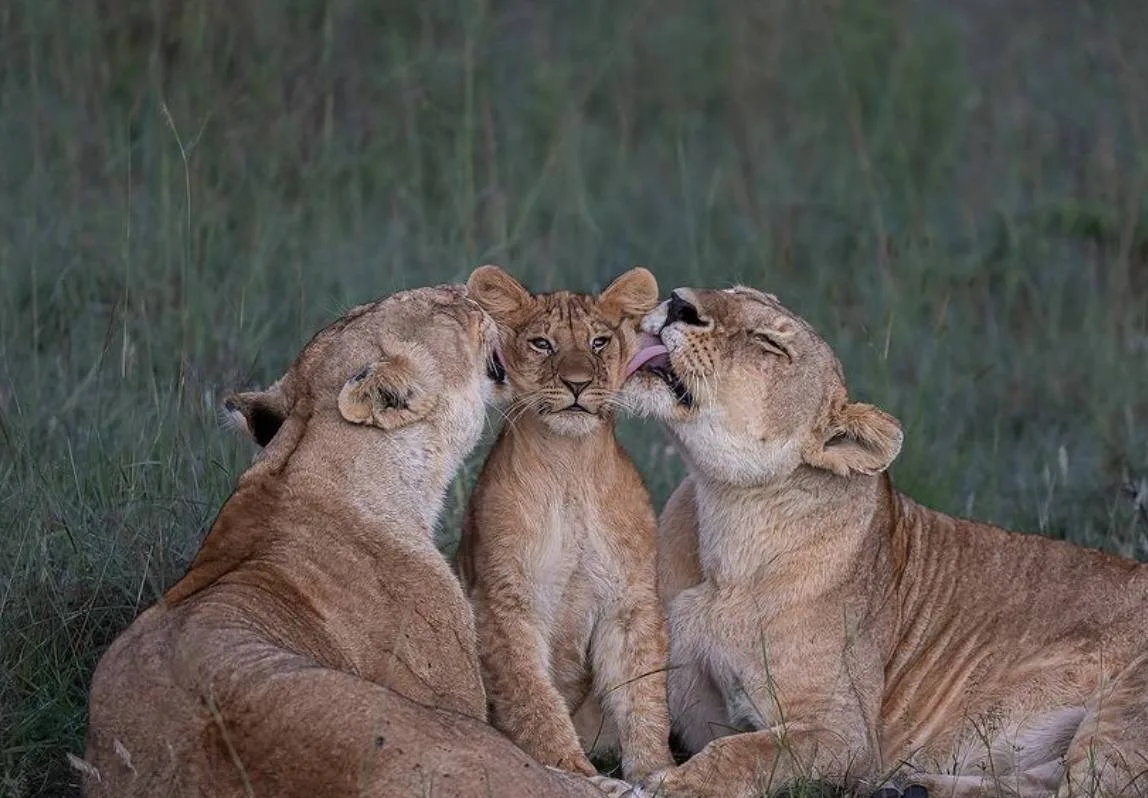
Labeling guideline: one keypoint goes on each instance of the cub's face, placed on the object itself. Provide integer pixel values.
(751, 391)
(565, 354)
(425, 359)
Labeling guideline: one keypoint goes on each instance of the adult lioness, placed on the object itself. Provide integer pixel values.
(848, 632)
(319, 645)
(559, 539)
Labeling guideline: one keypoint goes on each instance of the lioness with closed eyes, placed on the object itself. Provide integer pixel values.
(823, 624)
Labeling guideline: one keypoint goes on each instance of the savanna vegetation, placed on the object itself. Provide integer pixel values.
(953, 193)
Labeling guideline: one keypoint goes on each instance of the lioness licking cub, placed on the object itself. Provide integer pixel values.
(823, 624)
(319, 645)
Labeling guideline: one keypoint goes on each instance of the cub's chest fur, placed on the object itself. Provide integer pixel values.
(568, 559)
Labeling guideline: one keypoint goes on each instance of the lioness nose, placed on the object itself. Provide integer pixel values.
(682, 310)
(576, 386)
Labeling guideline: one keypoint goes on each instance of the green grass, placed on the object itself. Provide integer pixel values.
(188, 190)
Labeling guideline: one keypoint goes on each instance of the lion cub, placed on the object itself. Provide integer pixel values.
(558, 548)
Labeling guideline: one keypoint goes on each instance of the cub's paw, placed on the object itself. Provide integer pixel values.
(573, 762)
(578, 764)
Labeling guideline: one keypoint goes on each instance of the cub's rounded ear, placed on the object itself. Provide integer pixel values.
(634, 293)
(390, 393)
(259, 414)
(497, 292)
(861, 439)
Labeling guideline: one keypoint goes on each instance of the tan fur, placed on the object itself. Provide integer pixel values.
(824, 624)
(319, 644)
(558, 546)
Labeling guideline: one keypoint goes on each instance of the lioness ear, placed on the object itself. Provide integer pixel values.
(497, 292)
(634, 293)
(862, 440)
(260, 414)
(390, 393)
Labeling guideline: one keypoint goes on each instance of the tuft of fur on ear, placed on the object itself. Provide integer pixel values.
(259, 414)
(632, 294)
(390, 393)
(496, 292)
(862, 439)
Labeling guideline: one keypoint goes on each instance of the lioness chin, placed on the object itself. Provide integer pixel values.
(319, 645)
(824, 625)
(558, 545)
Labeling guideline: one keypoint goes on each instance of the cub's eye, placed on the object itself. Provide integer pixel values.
(770, 344)
(599, 343)
(541, 345)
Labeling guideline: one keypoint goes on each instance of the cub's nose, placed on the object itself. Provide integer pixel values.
(576, 386)
(681, 309)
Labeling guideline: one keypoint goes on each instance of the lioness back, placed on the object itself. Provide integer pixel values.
(558, 546)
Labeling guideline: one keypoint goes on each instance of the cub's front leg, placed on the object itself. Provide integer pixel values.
(524, 703)
(628, 650)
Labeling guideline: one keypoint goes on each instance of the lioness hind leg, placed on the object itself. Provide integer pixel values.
(1025, 761)
(1109, 754)
(1036, 783)
(314, 732)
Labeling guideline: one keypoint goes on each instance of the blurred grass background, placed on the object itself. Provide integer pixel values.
(952, 192)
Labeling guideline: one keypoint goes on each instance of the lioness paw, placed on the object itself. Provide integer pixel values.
(616, 788)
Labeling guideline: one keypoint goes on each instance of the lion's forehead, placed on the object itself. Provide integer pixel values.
(446, 303)
(434, 294)
(742, 308)
(426, 324)
(567, 319)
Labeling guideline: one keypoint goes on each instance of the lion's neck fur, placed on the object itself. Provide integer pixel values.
(807, 525)
(377, 491)
(395, 481)
(529, 441)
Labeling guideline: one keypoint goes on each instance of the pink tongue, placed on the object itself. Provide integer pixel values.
(651, 348)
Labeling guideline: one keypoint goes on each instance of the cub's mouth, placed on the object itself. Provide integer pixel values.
(494, 368)
(653, 357)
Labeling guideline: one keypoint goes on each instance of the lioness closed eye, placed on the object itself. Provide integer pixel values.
(847, 632)
(319, 645)
(558, 545)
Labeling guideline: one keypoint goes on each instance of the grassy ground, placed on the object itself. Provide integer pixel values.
(189, 189)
